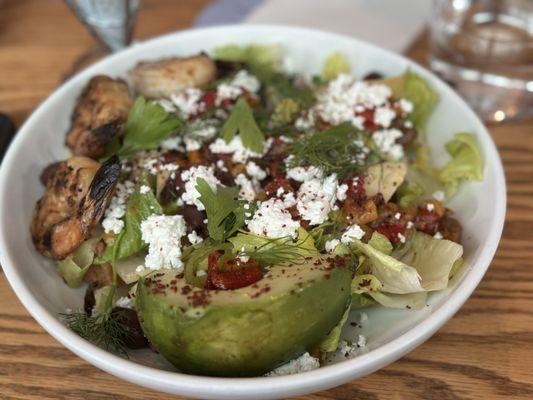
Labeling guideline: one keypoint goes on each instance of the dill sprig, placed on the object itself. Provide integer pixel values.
(336, 150)
(105, 330)
(278, 250)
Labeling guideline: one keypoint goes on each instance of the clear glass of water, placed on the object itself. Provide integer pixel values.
(484, 49)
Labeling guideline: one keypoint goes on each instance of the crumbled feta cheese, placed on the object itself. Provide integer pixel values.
(255, 171)
(439, 195)
(438, 236)
(206, 132)
(306, 121)
(303, 363)
(242, 81)
(289, 200)
(330, 245)
(337, 103)
(302, 174)
(247, 187)
(349, 350)
(241, 154)
(401, 238)
(194, 238)
(406, 106)
(201, 272)
(112, 221)
(221, 166)
(163, 235)
(408, 124)
(172, 143)
(397, 215)
(273, 220)
(341, 192)
(361, 341)
(316, 198)
(383, 116)
(430, 206)
(410, 224)
(385, 141)
(191, 195)
(124, 302)
(144, 189)
(192, 144)
(188, 101)
(353, 232)
(167, 105)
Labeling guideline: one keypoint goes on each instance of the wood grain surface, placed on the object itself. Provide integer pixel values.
(484, 352)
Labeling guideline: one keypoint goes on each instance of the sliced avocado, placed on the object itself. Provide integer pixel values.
(248, 331)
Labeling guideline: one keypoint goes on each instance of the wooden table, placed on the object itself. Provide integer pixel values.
(484, 352)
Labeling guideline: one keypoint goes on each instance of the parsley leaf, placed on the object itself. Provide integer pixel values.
(148, 124)
(139, 206)
(242, 121)
(225, 214)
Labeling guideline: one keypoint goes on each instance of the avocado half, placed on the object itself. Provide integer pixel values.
(248, 331)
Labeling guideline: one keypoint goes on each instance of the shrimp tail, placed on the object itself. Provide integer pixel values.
(66, 236)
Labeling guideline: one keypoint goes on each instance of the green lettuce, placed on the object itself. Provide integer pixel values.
(331, 342)
(334, 65)
(74, 267)
(261, 59)
(381, 243)
(414, 88)
(432, 258)
(466, 162)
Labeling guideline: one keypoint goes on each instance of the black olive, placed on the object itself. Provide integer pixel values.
(128, 317)
(7, 131)
(373, 75)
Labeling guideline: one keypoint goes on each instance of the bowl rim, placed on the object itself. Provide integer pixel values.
(261, 387)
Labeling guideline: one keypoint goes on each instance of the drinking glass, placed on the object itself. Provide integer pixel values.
(484, 48)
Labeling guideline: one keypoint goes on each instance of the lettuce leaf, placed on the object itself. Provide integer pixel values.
(334, 65)
(433, 259)
(242, 121)
(380, 242)
(414, 88)
(394, 275)
(261, 59)
(466, 162)
(331, 342)
(74, 267)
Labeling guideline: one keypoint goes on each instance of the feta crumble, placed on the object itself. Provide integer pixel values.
(194, 238)
(383, 116)
(385, 141)
(254, 171)
(273, 220)
(353, 232)
(430, 206)
(247, 188)
(241, 82)
(401, 238)
(338, 102)
(124, 302)
(304, 363)
(330, 245)
(302, 174)
(191, 196)
(172, 143)
(112, 222)
(144, 189)
(163, 235)
(316, 198)
(241, 154)
(406, 106)
(188, 102)
(438, 236)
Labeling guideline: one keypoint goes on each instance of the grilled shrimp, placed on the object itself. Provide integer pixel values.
(99, 115)
(156, 79)
(77, 193)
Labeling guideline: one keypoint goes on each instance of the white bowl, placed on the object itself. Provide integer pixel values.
(390, 333)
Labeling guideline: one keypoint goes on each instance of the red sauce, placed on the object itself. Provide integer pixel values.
(426, 221)
(243, 274)
(392, 230)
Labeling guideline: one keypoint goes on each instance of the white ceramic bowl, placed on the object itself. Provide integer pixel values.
(390, 333)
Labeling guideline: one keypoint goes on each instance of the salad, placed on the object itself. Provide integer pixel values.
(229, 214)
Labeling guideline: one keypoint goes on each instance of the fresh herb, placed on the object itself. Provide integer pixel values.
(284, 113)
(335, 150)
(139, 206)
(225, 213)
(147, 125)
(242, 121)
(272, 251)
(107, 330)
(279, 86)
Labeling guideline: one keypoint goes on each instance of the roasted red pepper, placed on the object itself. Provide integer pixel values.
(244, 274)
